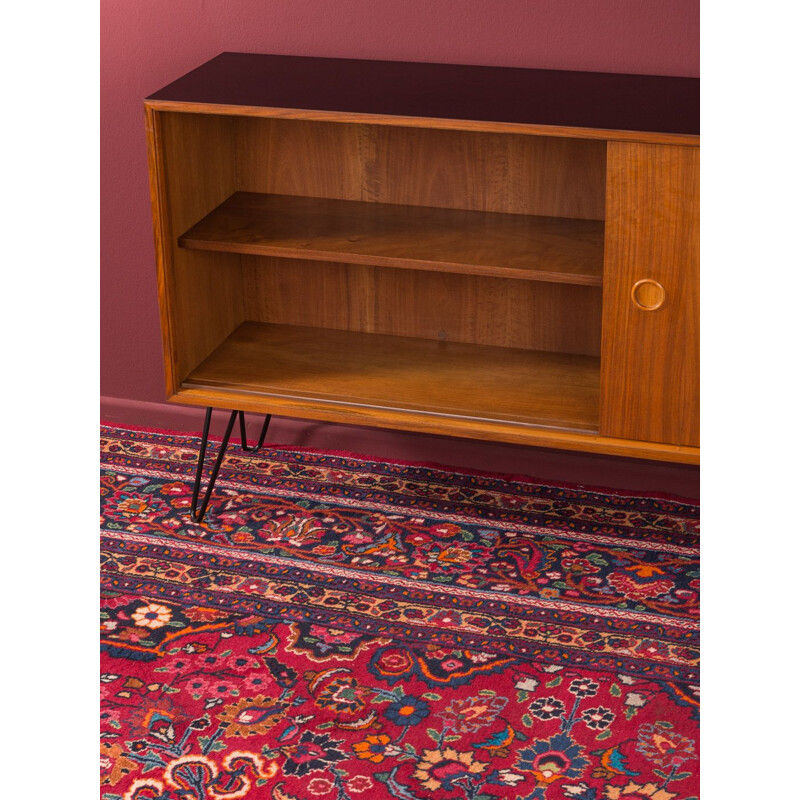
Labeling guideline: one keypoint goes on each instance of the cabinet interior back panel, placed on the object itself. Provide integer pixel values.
(429, 305)
(510, 173)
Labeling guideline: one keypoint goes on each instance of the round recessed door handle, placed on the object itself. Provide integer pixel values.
(648, 295)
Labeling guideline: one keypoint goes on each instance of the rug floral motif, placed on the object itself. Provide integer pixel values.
(345, 629)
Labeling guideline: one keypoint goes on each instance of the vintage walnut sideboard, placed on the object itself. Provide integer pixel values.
(497, 253)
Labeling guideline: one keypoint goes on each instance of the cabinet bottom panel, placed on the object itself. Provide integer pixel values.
(448, 379)
(446, 388)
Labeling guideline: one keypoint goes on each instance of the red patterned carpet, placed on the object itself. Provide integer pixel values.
(340, 628)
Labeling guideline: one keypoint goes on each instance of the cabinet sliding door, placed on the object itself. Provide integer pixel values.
(650, 343)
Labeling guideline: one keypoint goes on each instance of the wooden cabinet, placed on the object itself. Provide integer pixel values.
(495, 253)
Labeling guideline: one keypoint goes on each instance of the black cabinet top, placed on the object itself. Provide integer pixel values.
(606, 101)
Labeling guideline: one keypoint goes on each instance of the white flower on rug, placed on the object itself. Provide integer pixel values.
(635, 699)
(526, 684)
(151, 616)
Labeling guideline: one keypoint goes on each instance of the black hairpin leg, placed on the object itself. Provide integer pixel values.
(197, 516)
(267, 418)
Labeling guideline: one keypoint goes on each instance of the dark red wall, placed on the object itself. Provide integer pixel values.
(147, 43)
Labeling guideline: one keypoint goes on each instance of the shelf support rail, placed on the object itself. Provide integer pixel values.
(196, 515)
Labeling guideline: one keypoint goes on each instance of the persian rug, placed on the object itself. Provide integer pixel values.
(340, 628)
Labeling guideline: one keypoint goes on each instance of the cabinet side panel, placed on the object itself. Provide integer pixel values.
(206, 288)
(158, 202)
(650, 376)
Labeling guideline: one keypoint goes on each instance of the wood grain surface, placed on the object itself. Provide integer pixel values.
(556, 317)
(651, 359)
(491, 430)
(201, 297)
(540, 175)
(415, 237)
(392, 372)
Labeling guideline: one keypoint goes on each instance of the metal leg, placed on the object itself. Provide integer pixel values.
(267, 418)
(198, 516)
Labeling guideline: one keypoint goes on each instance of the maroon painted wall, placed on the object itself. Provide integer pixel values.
(147, 43)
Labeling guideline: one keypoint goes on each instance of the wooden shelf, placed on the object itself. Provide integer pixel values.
(448, 379)
(536, 248)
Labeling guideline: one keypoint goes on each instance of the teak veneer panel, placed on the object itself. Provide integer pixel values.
(651, 359)
(200, 293)
(507, 173)
(443, 239)
(556, 317)
(299, 157)
(490, 430)
(420, 375)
